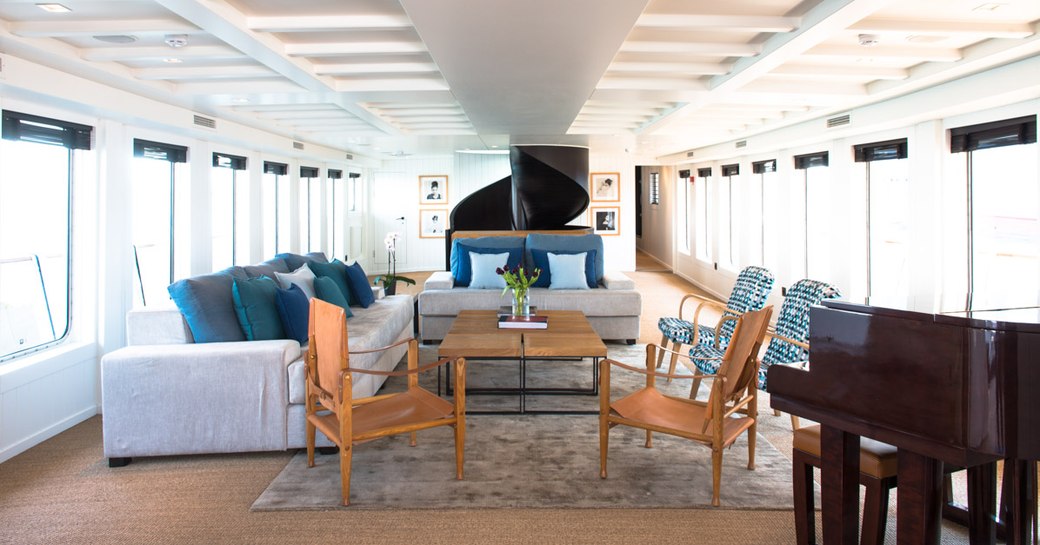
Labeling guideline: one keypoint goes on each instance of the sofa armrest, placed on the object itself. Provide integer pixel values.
(615, 280)
(162, 325)
(439, 280)
(378, 292)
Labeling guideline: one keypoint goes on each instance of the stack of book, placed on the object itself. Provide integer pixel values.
(523, 322)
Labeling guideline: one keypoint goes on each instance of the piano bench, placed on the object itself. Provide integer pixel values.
(877, 466)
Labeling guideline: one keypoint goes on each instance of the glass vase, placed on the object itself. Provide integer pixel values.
(521, 303)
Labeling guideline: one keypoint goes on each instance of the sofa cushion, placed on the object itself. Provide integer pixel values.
(461, 248)
(541, 261)
(207, 306)
(570, 271)
(302, 277)
(337, 271)
(573, 243)
(326, 289)
(485, 270)
(294, 311)
(359, 286)
(295, 261)
(267, 268)
(255, 307)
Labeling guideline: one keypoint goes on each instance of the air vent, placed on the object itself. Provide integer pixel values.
(838, 121)
(205, 122)
(297, 145)
(350, 157)
(741, 144)
(689, 154)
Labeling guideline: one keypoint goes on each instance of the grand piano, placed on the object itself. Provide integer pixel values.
(957, 388)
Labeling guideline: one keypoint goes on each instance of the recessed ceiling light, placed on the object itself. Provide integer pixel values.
(172, 60)
(989, 6)
(868, 40)
(53, 8)
(116, 38)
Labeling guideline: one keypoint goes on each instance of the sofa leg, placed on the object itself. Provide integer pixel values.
(327, 450)
(119, 462)
(630, 341)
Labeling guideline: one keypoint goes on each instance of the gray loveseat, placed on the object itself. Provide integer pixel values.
(165, 394)
(613, 307)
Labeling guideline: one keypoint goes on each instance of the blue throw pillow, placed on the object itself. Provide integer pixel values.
(461, 269)
(294, 311)
(359, 286)
(541, 260)
(326, 289)
(207, 306)
(569, 271)
(337, 271)
(485, 273)
(255, 306)
(574, 243)
(466, 267)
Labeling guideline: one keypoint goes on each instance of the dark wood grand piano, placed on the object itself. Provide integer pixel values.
(961, 389)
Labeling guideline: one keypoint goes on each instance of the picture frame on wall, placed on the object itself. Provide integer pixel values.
(433, 222)
(605, 186)
(433, 189)
(606, 220)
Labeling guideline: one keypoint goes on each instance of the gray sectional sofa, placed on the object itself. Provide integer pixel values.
(613, 307)
(165, 394)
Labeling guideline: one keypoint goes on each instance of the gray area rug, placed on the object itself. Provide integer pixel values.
(536, 460)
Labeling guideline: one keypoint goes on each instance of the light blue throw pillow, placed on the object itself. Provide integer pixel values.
(568, 271)
(485, 275)
(571, 243)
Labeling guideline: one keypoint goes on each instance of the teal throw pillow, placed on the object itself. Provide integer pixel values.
(256, 308)
(568, 271)
(207, 305)
(337, 271)
(326, 289)
(485, 275)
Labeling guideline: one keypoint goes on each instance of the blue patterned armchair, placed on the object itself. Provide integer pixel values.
(749, 293)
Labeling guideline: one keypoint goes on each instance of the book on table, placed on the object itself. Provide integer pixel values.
(523, 322)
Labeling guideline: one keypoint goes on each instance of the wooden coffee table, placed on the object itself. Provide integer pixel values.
(475, 335)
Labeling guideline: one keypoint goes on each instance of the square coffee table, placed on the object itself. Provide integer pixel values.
(475, 335)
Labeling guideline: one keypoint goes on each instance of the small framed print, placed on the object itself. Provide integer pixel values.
(433, 189)
(606, 220)
(433, 222)
(605, 186)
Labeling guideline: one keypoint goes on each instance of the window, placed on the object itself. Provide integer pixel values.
(682, 201)
(769, 195)
(337, 198)
(887, 173)
(275, 196)
(702, 227)
(160, 222)
(810, 218)
(36, 174)
(229, 205)
(310, 208)
(729, 234)
(655, 188)
(1004, 212)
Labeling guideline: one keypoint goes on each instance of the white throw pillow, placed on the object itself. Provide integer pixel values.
(568, 271)
(484, 274)
(302, 277)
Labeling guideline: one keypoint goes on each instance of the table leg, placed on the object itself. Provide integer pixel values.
(919, 499)
(839, 461)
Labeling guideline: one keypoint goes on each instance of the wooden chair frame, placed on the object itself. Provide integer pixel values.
(702, 303)
(415, 409)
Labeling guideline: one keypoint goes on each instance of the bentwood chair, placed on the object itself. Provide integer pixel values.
(749, 293)
(788, 340)
(346, 421)
(730, 410)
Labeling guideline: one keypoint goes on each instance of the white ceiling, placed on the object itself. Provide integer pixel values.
(392, 77)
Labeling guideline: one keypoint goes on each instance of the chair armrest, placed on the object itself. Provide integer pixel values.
(615, 280)
(439, 280)
(647, 372)
(773, 335)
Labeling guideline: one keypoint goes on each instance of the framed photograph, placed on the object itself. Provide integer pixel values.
(606, 220)
(433, 222)
(605, 186)
(433, 189)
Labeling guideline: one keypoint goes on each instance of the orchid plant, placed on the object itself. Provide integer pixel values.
(390, 279)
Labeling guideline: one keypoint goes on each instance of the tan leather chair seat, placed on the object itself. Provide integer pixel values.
(876, 459)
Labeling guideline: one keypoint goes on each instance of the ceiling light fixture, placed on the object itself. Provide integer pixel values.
(868, 40)
(116, 38)
(176, 40)
(53, 8)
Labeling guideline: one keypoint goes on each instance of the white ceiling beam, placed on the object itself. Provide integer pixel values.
(324, 23)
(66, 29)
(908, 52)
(699, 48)
(982, 29)
(230, 26)
(391, 84)
(621, 110)
(741, 23)
(238, 87)
(406, 112)
(314, 114)
(684, 84)
(768, 84)
(203, 72)
(840, 72)
(208, 52)
(698, 68)
(343, 69)
(327, 49)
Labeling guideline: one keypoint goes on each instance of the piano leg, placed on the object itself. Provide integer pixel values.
(919, 499)
(982, 500)
(1020, 486)
(839, 461)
